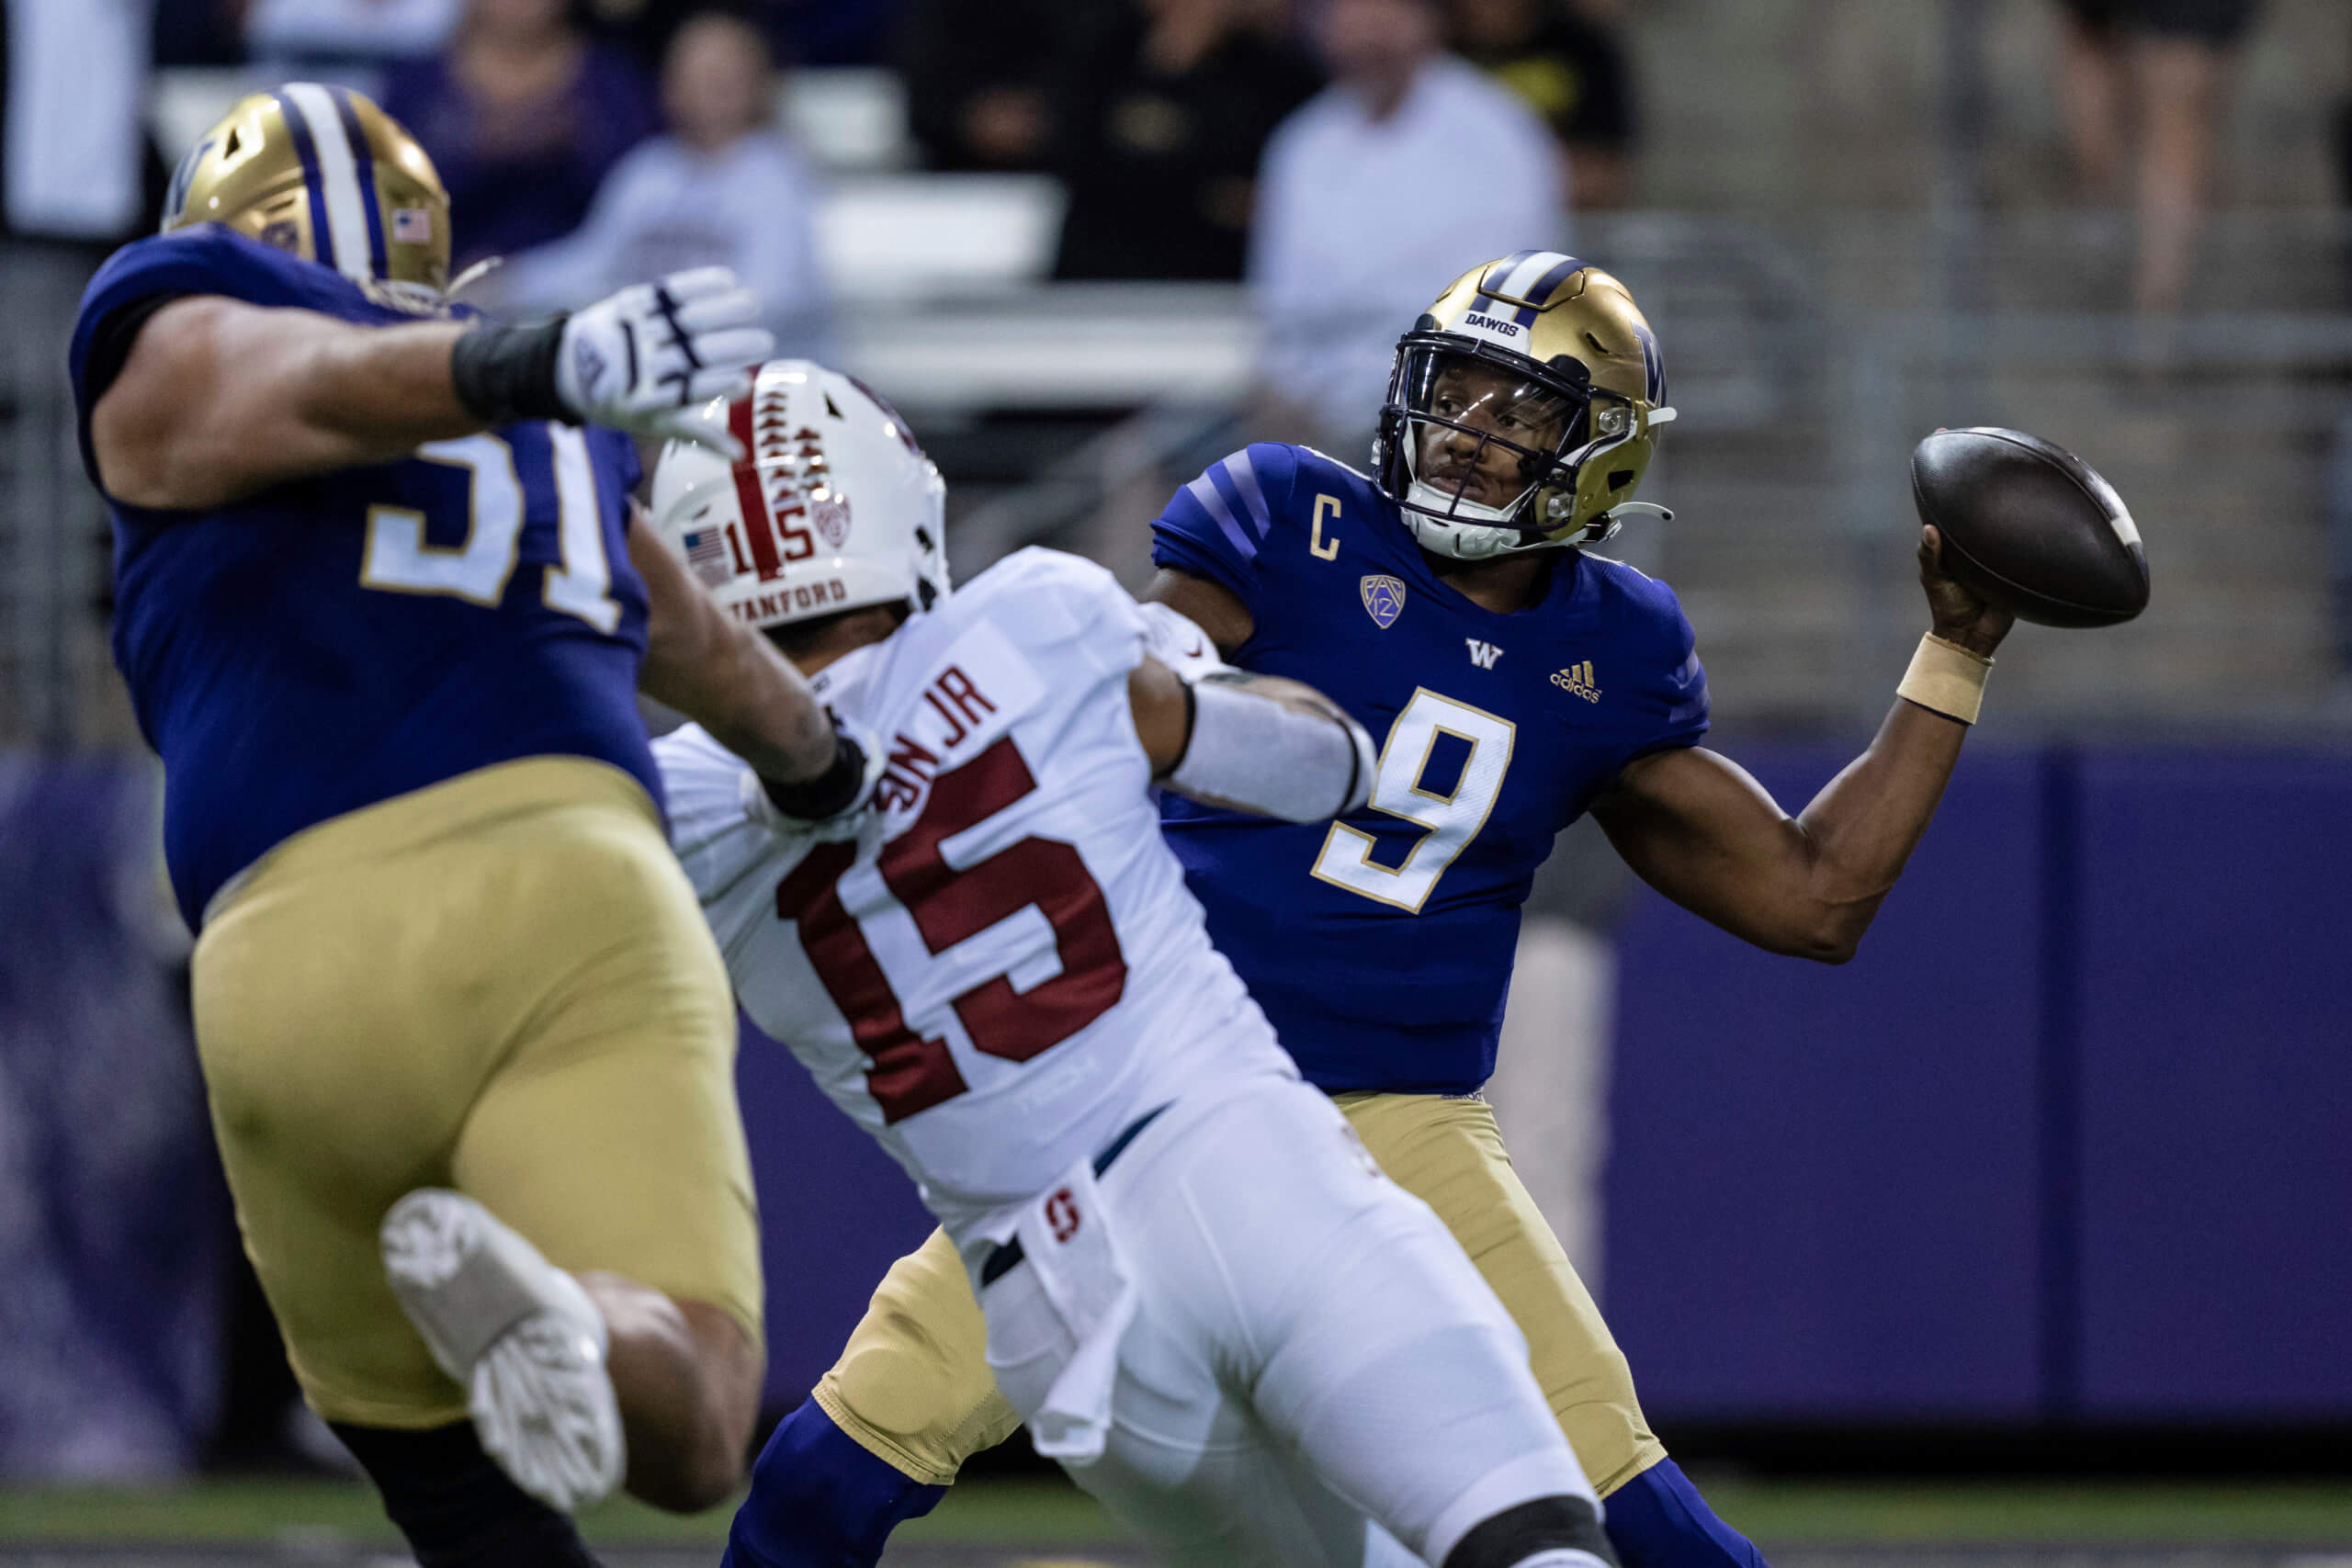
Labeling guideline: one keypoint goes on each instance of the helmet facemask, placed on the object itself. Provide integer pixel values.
(1481, 448)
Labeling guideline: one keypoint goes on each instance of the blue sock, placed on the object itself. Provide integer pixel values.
(820, 1500)
(1658, 1520)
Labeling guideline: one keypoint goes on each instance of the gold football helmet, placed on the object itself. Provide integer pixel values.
(1546, 359)
(326, 174)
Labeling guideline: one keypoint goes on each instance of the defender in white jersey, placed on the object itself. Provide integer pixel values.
(1199, 1292)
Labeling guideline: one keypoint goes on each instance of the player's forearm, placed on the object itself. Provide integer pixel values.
(725, 677)
(379, 394)
(1860, 829)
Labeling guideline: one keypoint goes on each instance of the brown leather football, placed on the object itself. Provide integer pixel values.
(2030, 527)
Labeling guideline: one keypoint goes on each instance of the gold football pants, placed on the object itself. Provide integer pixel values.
(500, 984)
(914, 1386)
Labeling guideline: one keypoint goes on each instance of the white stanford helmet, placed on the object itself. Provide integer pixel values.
(832, 507)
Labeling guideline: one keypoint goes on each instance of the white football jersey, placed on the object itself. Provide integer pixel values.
(1004, 968)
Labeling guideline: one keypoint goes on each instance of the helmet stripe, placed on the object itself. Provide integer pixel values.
(1496, 277)
(380, 257)
(1532, 275)
(759, 523)
(307, 150)
(1567, 268)
(345, 201)
(1653, 368)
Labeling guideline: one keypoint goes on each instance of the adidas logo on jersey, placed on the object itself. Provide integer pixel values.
(1577, 679)
(1483, 654)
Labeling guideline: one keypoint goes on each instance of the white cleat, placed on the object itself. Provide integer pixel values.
(521, 1338)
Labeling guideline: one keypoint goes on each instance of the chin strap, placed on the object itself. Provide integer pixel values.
(1624, 510)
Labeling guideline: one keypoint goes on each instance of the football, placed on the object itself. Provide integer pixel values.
(2030, 527)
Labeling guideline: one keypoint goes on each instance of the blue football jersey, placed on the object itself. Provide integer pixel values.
(334, 642)
(1380, 946)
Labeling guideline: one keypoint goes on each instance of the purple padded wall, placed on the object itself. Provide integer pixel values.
(2217, 1086)
(1821, 1194)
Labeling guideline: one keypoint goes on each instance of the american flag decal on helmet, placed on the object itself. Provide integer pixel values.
(706, 553)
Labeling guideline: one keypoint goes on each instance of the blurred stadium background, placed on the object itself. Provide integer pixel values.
(2025, 1236)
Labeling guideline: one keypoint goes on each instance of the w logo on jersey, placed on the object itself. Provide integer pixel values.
(1483, 654)
(1384, 599)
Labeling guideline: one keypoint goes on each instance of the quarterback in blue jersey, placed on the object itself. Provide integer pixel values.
(1448, 601)
(383, 612)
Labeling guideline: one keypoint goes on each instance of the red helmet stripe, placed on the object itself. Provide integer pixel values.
(759, 523)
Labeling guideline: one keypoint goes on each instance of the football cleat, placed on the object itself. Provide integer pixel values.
(519, 1335)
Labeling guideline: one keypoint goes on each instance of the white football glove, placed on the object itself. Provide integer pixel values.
(652, 358)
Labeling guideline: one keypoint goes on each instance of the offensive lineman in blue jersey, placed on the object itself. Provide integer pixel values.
(383, 611)
(1446, 601)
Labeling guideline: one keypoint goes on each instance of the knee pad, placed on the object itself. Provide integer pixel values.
(455, 1507)
(1541, 1531)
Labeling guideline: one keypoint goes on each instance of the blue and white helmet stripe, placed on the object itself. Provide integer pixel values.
(345, 227)
(1528, 275)
(1653, 368)
(378, 256)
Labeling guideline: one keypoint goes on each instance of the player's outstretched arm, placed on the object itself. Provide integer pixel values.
(729, 679)
(1701, 830)
(1251, 742)
(217, 399)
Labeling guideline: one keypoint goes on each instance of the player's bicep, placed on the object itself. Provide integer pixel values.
(1211, 606)
(1701, 829)
(219, 399)
(158, 399)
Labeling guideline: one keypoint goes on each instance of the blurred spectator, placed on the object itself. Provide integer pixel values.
(76, 131)
(523, 115)
(723, 189)
(1164, 108)
(1570, 68)
(1409, 170)
(346, 39)
(977, 75)
(2146, 78)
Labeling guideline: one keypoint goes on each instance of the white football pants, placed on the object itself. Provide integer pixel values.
(1312, 1354)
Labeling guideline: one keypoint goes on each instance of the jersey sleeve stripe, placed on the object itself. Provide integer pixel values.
(1202, 490)
(337, 177)
(1244, 475)
(379, 254)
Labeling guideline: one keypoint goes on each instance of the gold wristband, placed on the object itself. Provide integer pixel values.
(1945, 677)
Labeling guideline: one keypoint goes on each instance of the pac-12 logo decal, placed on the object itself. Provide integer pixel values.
(829, 513)
(1384, 599)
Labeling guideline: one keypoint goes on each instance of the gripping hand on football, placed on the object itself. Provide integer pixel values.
(649, 358)
(1959, 616)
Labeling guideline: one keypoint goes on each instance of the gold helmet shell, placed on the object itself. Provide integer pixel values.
(1561, 334)
(323, 172)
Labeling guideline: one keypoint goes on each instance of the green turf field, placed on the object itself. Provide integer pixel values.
(1047, 1515)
